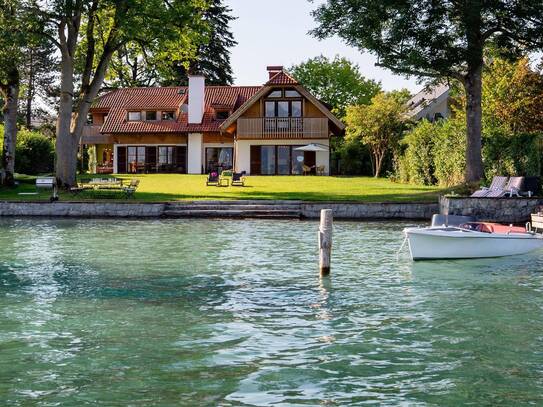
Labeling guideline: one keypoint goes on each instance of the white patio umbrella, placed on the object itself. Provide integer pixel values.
(312, 147)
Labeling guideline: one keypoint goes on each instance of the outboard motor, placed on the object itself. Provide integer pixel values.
(451, 220)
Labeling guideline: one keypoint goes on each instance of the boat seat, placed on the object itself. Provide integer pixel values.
(487, 227)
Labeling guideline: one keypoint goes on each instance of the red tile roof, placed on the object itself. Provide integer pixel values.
(118, 102)
(282, 78)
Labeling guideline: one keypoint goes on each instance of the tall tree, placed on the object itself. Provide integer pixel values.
(139, 65)
(13, 35)
(378, 125)
(39, 70)
(92, 31)
(337, 82)
(437, 39)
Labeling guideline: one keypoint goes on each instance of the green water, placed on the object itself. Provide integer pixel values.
(232, 313)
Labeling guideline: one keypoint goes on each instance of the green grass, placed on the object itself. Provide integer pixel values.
(168, 187)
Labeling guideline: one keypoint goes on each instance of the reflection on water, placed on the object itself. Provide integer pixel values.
(233, 313)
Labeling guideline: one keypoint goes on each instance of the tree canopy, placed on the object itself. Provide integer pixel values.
(378, 125)
(337, 82)
(437, 39)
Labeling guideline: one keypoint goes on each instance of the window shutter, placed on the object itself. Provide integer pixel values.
(255, 160)
(181, 159)
(121, 160)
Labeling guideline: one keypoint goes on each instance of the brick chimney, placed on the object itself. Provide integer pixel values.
(274, 70)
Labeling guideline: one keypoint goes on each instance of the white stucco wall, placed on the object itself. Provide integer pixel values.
(195, 153)
(243, 152)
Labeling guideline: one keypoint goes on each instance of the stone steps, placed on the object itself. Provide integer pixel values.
(234, 209)
(231, 213)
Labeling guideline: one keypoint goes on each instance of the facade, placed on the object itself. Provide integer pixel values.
(431, 104)
(199, 129)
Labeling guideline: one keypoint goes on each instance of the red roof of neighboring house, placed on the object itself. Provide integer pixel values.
(119, 102)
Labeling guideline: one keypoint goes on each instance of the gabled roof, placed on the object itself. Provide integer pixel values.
(264, 90)
(282, 78)
(118, 102)
(424, 100)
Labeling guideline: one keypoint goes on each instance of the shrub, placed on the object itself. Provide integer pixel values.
(34, 153)
(511, 154)
(416, 163)
(449, 153)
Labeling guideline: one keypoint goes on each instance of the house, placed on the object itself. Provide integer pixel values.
(199, 128)
(430, 103)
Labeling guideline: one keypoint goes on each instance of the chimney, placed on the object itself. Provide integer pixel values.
(274, 70)
(197, 85)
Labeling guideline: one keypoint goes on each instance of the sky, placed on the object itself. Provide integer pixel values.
(276, 33)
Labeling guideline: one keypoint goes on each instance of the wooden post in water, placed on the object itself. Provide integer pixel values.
(325, 242)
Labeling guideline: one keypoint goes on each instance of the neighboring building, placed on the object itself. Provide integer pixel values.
(198, 129)
(430, 103)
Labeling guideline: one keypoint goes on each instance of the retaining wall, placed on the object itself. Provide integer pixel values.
(341, 210)
(505, 210)
(386, 210)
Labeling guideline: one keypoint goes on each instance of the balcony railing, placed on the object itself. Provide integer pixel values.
(282, 128)
(91, 135)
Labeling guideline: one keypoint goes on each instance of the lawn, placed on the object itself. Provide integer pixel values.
(167, 187)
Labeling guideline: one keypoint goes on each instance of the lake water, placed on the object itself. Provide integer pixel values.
(230, 313)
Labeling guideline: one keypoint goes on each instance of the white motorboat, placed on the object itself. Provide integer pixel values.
(470, 240)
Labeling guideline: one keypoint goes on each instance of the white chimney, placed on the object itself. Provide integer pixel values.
(197, 85)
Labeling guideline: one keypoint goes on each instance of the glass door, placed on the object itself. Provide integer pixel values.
(267, 162)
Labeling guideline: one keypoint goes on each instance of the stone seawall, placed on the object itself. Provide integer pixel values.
(504, 210)
(82, 209)
(218, 209)
(386, 210)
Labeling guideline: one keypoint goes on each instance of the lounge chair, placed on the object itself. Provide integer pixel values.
(514, 186)
(212, 179)
(496, 187)
(238, 179)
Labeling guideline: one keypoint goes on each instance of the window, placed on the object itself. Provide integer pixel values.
(276, 94)
(222, 114)
(166, 155)
(296, 108)
(136, 159)
(134, 116)
(169, 115)
(283, 160)
(282, 109)
(219, 158)
(270, 109)
(89, 118)
(150, 115)
(267, 160)
(291, 93)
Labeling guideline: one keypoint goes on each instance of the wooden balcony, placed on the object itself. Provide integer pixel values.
(91, 135)
(282, 128)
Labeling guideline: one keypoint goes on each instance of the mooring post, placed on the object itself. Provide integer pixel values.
(325, 242)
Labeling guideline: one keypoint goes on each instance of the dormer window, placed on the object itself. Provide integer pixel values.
(150, 115)
(222, 114)
(169, 115)
(134, 116)
(291, 93)
(276, 94)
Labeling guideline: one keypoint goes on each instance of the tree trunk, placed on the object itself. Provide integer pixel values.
(474, 162)
(10, 91)
(30, 90)
(66, 143)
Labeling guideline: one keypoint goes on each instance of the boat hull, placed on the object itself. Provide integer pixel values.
(454, 243)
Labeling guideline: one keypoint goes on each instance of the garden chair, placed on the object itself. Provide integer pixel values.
(238, 179)
(320, 170)
(495, 189)
(306, 169)
(212, 179)
(130, 189)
